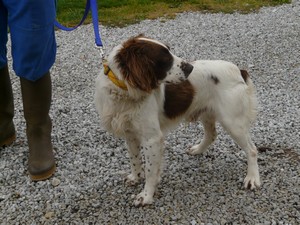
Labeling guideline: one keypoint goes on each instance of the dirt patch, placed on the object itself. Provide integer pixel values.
(285, 153)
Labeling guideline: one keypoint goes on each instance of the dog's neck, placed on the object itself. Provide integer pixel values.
(113, 78)
(126, 97)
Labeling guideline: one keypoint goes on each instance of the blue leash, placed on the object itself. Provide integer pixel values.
(90, 5)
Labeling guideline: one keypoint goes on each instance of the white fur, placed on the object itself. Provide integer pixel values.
(139, 117)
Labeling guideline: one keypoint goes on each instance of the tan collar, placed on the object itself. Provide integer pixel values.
(109, 73)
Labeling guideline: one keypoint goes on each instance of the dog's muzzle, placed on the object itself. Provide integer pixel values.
(186, 68)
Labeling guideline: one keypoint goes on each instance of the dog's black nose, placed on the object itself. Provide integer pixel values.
(186, 68)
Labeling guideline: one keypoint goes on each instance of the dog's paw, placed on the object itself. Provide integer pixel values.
(132, 180)
(252, 181)
(143, 199)
(195, 150)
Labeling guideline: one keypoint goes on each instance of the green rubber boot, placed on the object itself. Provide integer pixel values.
(7, 128)
(36, 101)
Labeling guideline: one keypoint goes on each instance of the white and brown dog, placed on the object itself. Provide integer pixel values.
(144, 90)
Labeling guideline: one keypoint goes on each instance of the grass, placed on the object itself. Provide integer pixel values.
(124, 12)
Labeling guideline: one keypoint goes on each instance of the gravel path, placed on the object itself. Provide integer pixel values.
(88, 186)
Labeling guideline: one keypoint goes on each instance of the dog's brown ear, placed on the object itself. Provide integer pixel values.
(136, 65)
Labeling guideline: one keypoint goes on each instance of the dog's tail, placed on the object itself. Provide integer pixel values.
(252, 95)
(245, 75)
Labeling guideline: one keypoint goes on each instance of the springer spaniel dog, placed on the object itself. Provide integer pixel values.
(144, 91)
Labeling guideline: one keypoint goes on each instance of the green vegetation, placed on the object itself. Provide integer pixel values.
(124, 12)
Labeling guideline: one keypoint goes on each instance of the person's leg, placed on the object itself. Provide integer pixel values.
(7, 129)
(3, 35)
(31, 26)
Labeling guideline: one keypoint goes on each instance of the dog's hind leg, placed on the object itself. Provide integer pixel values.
(137, 172)
(210, 135)
(239, 131)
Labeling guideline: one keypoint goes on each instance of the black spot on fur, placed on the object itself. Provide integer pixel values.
(186, 68)
(215, 79)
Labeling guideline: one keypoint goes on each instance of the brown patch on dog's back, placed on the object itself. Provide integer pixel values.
(178, 98)
(245, 75)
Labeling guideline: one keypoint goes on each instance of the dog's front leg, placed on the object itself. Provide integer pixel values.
(153, 151)
(135, 161)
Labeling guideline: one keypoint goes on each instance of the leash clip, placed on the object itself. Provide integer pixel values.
(101, 51)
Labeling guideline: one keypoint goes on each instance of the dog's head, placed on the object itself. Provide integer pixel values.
(144, 63)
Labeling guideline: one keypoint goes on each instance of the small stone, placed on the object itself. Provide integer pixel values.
(49, 215)
(193, 222)
(55, 182)
(132, 196)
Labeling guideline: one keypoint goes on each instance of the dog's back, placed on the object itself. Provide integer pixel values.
(220, 87)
